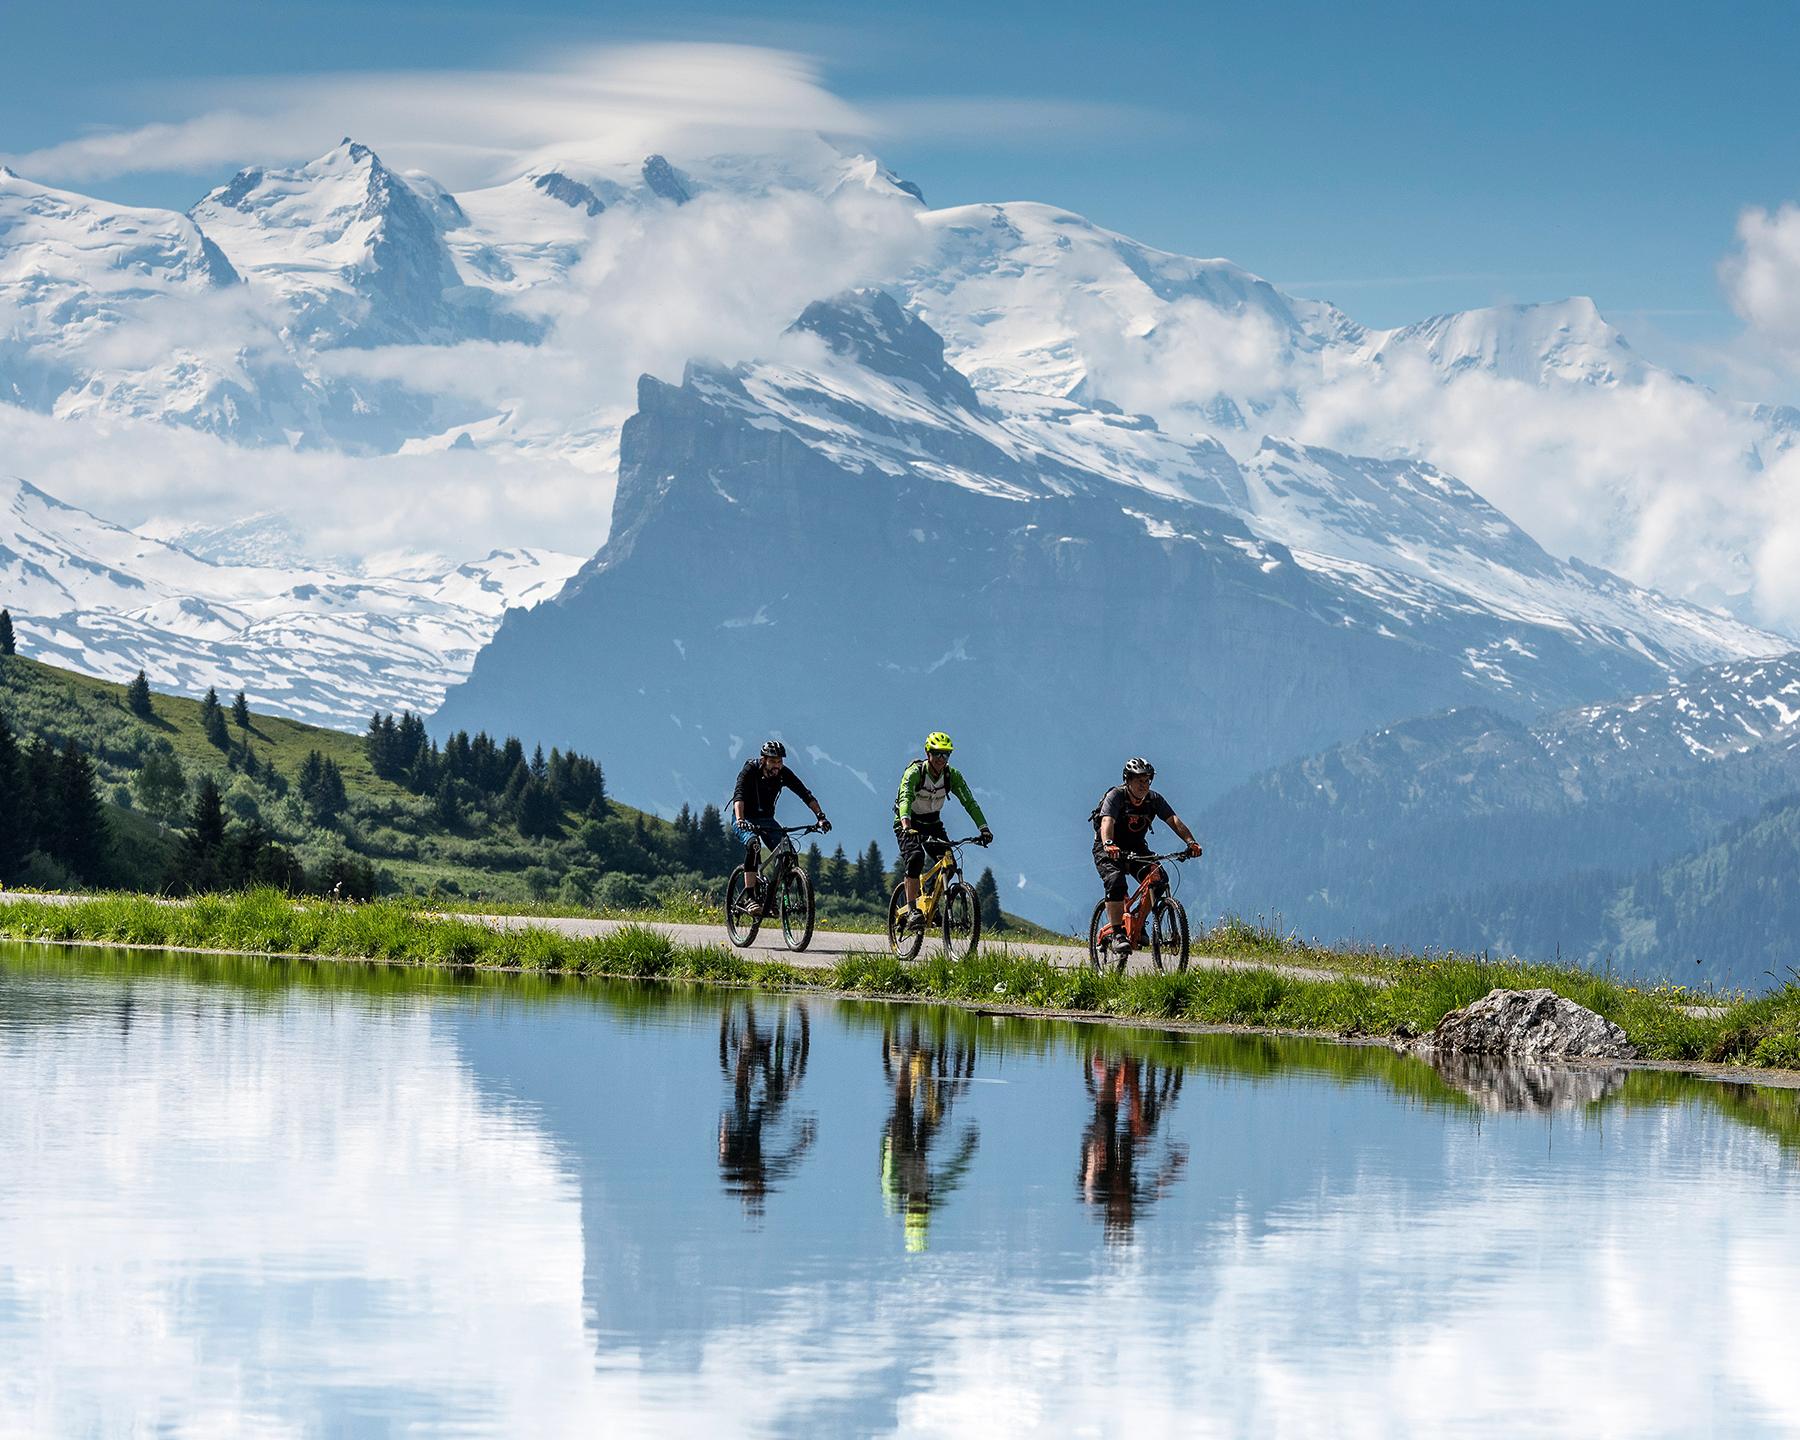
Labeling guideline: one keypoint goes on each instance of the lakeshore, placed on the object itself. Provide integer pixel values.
(1248, 980)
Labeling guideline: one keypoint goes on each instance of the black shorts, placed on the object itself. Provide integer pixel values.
(927, 832)
(1117, 875)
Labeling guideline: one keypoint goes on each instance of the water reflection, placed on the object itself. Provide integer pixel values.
(1119, 1174)
(1498, 1086)
(923, 1158)
(352, 1200)
(759, 1143)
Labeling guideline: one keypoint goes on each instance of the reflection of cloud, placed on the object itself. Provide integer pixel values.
(1339, 1318)
(330, 1218)
(212, 1224)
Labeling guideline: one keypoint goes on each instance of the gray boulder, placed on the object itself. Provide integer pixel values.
(1528, 1025)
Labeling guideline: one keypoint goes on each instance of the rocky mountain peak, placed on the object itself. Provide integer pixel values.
(869, 328)
(665, 180)
(571, 192)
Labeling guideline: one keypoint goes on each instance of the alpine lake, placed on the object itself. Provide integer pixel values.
(242, 1197)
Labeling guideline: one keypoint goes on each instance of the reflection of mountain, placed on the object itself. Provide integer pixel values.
(362, 1185)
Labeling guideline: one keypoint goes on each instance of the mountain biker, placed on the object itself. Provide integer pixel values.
(1122, 822)
(918, 815)
(759, 786)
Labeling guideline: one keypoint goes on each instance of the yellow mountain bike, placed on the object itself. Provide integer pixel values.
(948, 903)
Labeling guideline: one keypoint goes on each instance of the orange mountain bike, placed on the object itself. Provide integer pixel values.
(1153, 917)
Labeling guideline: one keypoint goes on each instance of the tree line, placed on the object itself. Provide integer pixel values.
(534, 793)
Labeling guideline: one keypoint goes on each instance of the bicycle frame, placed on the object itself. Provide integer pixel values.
(935, 881)
(1137, 908)
(783, 853)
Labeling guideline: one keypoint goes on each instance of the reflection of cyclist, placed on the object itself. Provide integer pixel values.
(1122, 822)
(1130, 1100)
(764, 1068)
(927, 1079)
(759, 786)
(919, 815)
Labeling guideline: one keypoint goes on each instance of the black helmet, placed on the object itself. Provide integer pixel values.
(1138, 765)
(775, 748)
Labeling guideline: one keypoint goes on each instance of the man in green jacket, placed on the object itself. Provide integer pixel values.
(919, 814)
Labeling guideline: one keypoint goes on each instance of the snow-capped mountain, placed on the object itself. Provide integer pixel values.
(851, 544)
(355, 252)
(319, 644)
(1037, 474)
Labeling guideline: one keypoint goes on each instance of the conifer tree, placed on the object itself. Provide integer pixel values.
(200, 852)
(85, 835)
(14, 817)
(7, 644)
(137, 697)
(874, 872)
(987, 891)
(715, 844)
(212, 719)
(815, 863)
(240, 711)
(837, 873)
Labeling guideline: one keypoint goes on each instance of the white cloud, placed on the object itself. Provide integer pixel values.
(470, 127)
(131, 471)
(1762, 276)
(1648, 480)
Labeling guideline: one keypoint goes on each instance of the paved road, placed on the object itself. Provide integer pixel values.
(830, 946)
(827, 948)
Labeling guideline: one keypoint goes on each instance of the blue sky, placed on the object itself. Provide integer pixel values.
(1401, 162)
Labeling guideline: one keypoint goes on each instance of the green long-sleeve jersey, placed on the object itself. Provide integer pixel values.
(920, 795)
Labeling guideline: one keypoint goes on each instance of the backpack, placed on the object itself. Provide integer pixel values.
(1094, 814)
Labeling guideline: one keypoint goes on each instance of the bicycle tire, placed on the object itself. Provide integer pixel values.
(794, 899)
(962, 912)
(1169, 935)
(1095, 924)
(741, 928)
(904, 943)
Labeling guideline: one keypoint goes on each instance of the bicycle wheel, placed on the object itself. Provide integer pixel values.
(962, 921)
(740, 924)
(1096, 956)
(903, 941)
(1169, 935)
(795, 899)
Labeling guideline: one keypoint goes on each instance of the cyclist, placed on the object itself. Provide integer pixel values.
(919, 815)
(1122, 822)
(759, 786)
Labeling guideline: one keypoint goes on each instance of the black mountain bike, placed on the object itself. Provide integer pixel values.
(946, 901)
(783, 888)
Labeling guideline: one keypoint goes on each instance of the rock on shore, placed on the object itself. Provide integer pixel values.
(1528, 1025)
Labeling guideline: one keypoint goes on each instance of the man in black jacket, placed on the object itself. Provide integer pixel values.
(759, 786)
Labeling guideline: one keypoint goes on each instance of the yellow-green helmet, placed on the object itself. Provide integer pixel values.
(938, 740)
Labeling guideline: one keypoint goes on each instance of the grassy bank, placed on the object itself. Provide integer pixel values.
(1417, 992)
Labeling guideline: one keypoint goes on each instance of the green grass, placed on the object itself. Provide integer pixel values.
(1761, 1032)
